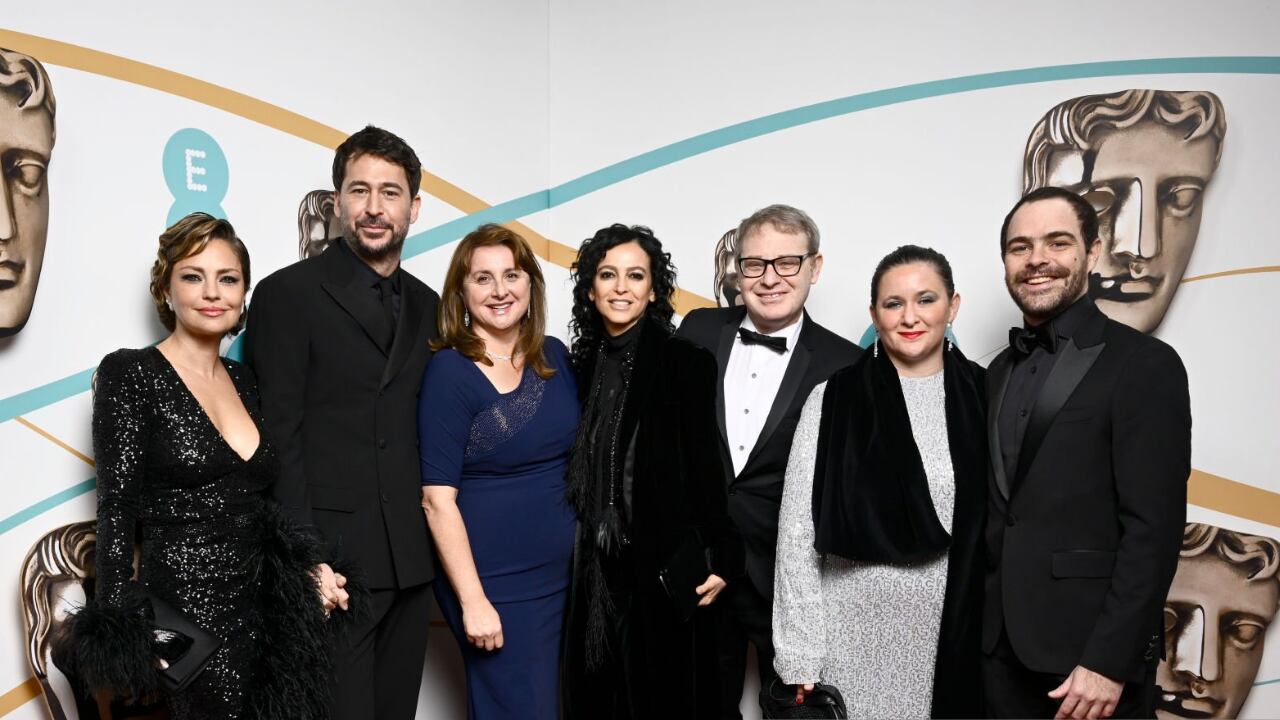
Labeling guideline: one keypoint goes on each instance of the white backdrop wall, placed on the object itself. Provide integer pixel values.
(511, 100)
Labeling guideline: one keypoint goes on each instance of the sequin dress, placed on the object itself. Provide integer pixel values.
(211, 546)
(506, 453)
(871, 630)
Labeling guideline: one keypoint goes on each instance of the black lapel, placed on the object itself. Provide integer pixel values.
(1067, 373)
(412, 309)
(723, 349)
(791, 381)
(997, 382)
(348, 290)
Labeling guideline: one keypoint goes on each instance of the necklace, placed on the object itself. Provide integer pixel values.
(495, 356)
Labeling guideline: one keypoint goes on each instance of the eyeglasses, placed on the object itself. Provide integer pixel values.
(784, 265)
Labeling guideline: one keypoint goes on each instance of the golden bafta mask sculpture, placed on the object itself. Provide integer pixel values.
(1143, 159)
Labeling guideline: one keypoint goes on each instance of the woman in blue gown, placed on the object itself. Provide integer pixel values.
(497, 417)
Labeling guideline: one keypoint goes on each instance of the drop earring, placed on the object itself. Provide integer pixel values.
(875, 351)
(951, 344)
(466, 317)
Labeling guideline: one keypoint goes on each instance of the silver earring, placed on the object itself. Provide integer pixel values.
(875, 352)
(951, 344)
(466, 317)
(169, 303)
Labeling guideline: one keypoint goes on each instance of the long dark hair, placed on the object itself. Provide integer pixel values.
(586, 328)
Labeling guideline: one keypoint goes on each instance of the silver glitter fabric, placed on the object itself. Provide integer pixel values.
(167, 477)
(507, 416)
(870, 629)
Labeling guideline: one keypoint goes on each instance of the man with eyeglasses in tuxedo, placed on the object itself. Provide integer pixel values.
(771, 355)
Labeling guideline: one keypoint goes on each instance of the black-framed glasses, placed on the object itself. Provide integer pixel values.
(783, 265)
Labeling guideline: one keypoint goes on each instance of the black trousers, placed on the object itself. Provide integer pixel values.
(377, 666)
(745, 616)
(1013, 691)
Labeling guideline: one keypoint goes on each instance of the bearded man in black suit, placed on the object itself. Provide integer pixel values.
(1090, 443)
(339, 342)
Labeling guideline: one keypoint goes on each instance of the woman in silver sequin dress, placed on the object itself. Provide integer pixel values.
(878, 588)
(182, 464)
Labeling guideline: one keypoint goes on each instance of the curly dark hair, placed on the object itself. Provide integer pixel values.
(586, 328)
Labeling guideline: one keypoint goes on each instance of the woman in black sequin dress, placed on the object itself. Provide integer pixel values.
(184, 471)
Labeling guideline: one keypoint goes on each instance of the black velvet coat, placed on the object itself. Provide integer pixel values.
(656, 665)
(871, 501)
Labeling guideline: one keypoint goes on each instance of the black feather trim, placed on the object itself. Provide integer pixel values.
(292, 681)
(109, 649)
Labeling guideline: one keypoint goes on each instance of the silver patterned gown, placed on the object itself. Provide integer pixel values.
(870, 629)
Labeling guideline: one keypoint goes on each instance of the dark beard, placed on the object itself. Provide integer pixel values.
(352, 236)
(1076, 283)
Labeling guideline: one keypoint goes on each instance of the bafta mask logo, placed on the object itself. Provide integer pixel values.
(317, 227)
(1143, 158)
(27, 112)
(726, 290)
(1223, 598)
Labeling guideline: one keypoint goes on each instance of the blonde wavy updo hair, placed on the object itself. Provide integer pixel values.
(190, 236)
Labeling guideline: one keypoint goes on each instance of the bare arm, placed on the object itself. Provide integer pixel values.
(479, 618)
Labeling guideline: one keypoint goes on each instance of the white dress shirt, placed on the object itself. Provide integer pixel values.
(751, 381)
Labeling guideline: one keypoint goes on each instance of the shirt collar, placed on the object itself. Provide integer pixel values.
(369, 273)
(1068, 322)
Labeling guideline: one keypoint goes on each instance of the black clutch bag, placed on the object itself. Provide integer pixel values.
(779, 701)
(182, 644)
(684, 572)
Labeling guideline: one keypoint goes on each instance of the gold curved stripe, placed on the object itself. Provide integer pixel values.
(1228, 273)
(1233, 498)
(19, 696)
(51, 438)
(55, 52)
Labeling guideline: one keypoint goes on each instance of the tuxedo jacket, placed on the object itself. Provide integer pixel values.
(1083, 541)
(755, 494)
(342, 408)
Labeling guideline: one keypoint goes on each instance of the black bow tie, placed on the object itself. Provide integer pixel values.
(1024, 340)
(776, 344)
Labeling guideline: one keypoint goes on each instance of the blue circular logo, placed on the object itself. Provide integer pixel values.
(195, 170)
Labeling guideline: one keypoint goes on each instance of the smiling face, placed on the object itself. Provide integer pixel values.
(911, 313)
(495, 291)
(623, 287)
(773, 301)
(1215, 621)
(26, 143)
(207, 291)
(376, 206)
(1148, 183)
(1046, 261)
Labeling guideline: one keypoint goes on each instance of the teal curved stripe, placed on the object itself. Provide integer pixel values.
(706, 142)
(47, 504)
(787, 119)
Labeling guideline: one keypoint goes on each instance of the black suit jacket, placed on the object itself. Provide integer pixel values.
(342, 408)
(1083, 541)
(755, 494)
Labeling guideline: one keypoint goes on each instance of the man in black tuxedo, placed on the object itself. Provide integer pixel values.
(339, 343)
(1090, 443)
(771, 354)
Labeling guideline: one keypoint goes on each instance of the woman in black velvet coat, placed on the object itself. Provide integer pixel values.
(647, 482)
